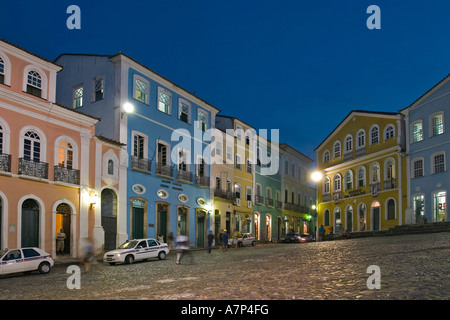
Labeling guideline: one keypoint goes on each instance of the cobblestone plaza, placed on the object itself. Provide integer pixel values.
(412, 267)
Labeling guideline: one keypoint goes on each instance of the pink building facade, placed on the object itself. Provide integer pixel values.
(53, 169)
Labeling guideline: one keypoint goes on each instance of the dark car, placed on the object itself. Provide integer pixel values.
(291, 237)
(305, 237)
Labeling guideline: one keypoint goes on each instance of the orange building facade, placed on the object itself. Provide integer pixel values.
(53, 170)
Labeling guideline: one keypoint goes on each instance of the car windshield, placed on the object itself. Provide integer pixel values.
(2, 252)
(128, 244)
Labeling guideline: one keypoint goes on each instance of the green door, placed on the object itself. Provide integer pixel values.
(162, 223)
(30, 223)
(137, 229)
(201, 231)
(376, 218)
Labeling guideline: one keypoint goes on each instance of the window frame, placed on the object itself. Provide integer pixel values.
(146, 94)
(162, 90)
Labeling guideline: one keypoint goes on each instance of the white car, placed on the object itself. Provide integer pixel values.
(25, 260)
(246, 239)
(137, 249)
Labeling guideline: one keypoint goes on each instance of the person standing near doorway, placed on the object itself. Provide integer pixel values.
(210, 241)
(60, 237)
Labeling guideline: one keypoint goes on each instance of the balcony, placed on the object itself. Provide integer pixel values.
(203, 181)
(5, 162)
(278, 204)
(164, 170)
(269, 202)
(33, 168)
(66, 175)
(223, 194)
(259, 199)
(389, 184)
(185, 176)
(141, 164)
(326, 197)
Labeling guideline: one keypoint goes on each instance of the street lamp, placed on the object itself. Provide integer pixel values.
(317, 176)
(127, 108)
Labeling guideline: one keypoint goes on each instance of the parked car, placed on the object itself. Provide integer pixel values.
(25, 260)
(291, 237)
(246, 239)
(306, 237)
(137, 249)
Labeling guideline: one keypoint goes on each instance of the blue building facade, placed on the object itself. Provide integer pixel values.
(428, 148)
(167, 147)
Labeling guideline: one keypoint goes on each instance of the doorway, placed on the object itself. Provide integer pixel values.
(375, 216)
(109, 218)
(201, 228)
(182, 221)
(30, 223)
(162, 220)
(63, 220)
(137, 219)
(440, 206)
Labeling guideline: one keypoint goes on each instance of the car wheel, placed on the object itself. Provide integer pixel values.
(129, 259)
(253, 243)
(162, 255)
(44, 267)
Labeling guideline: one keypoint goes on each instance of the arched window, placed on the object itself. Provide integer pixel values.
(32, 146)
(326, 185)
(374, 135)
(34, 83)
(389, 132)
(361, 139)
(361, 176)
(326, 156)
(65, 155)
(374, 173)
(110, 167)
(337, 149)
(349, 218)
(337, 183)
(2, 71)
(349, 180)
(348, 144)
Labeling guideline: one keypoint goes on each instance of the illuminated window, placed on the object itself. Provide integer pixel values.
(65, 155)
(164, 100)
(437, 123)
(78, 97)
(417, 132)
(141, 89)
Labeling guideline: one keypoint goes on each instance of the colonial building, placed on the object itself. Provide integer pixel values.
(364, 169)
(164, 130)
(297, 194)
(428, 145)
(234, 173)
(49, 159)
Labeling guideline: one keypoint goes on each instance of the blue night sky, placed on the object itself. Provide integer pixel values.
(297, 66)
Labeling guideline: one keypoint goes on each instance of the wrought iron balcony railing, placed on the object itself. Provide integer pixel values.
(141, 164)
(67, 175)
(185, 176)
(164, 170)
(203, 181)
(33, 168)
(5, 162)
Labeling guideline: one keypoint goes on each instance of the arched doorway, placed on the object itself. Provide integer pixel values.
(362, 216)
(162, 220)
(109, 218)
(201, 228)
(30, 223)
(138, 218)
(375, 216)
(63, 222)
(183, 221)
(349, 218)
(257, 222)
(268, 227)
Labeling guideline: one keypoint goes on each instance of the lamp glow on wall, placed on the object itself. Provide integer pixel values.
(127, 108)
(92, 198)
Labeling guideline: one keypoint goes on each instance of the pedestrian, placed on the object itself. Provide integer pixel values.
(170, 240)
(321, 233)
(183, 248)
(210, 241)
(224, 240)
(424, 220)
(160, 238)
(88, 258)
(346, 234)
(60, 237)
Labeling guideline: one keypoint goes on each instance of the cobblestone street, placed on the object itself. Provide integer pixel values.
(411, 266)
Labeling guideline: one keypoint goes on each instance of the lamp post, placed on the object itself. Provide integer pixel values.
(317, 176)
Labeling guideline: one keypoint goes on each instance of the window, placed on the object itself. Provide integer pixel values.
(337, 149)
(326, 156)
(219, 151)
(164, 100)
(389, 132)
(184, 111)
(418, 168)
(337, 183)
(201, 168)
(349, 180)
(182, 160)
(29, 253)
(138, 146)
(229, 154)
(249, 166)
(326, 217)
(417, 131)
(348, 144)
(374, 135)
(2, 71)
(361, 177)
(34, 83)
(437, 124)
(361, 139)
(78, 97)
(141, 89)
(1, 140)
(32, 147)
(375, 173)
(237, 190)
(110, 167)
(249, 193)
(238, 162)
(438, 163)
(326, 186)
(202, 120)
(65, 155)
(99, 87)
(293, 169)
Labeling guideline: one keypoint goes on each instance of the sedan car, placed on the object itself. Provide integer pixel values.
(137, 249)
(305, 238)
(25, 260)
(246, 239)
(291, 237)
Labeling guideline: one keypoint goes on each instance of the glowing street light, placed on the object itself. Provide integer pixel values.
(128, 107)
(317, 176)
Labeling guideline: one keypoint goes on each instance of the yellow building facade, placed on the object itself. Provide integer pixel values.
(364, 186)
(234, 177)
